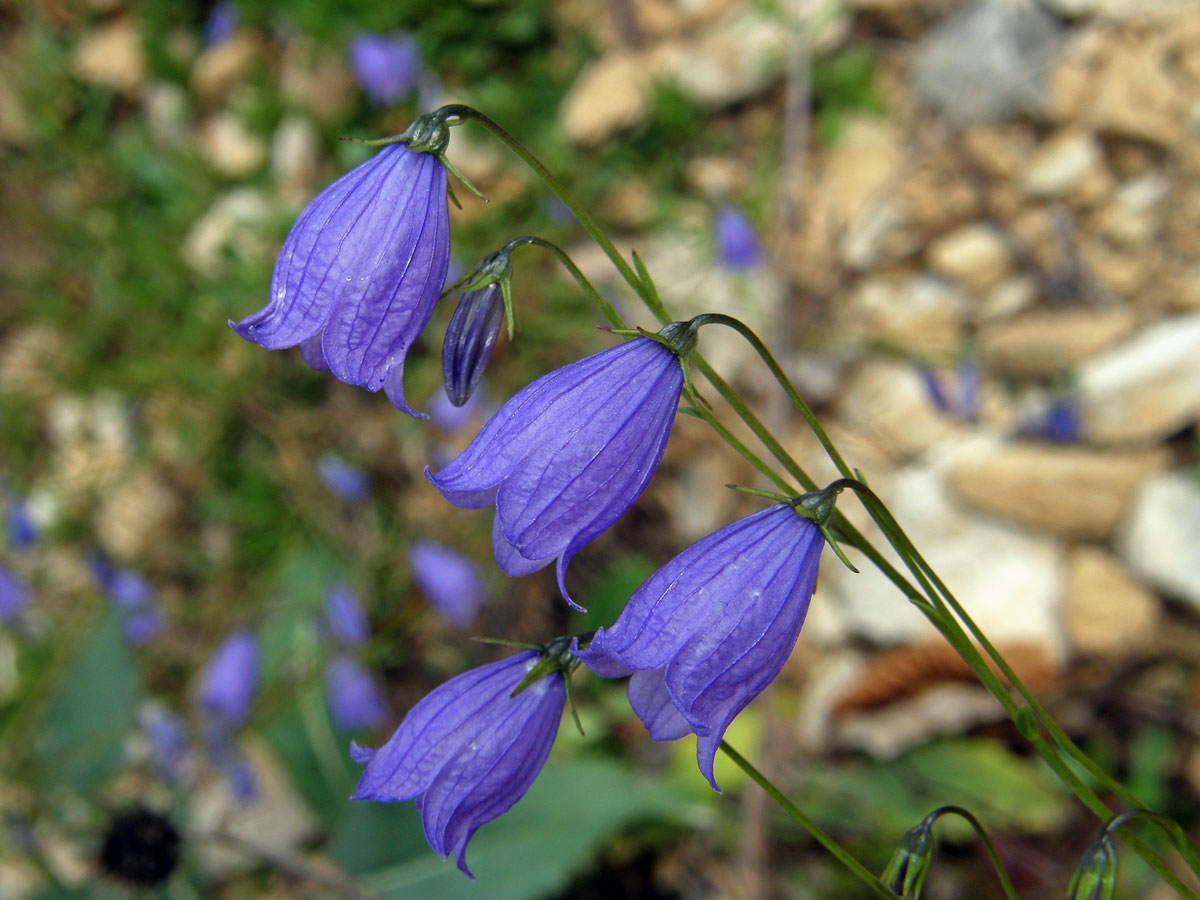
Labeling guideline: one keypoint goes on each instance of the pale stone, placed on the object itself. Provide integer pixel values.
(1011, 296)
(1145, 388)
(1107, 612)
(736, 59)
(1137, 94)
(317, 79)
(1060, 164)
(221, 68)
(14, 123)
(229, 147)
(166, 107)
(869, 234)
(923, 316)
(277, 820)
(1046, 343)
(234, 225)
(975, 256)
(112, 56)
(1132, 216)
(887, 400)
(295, 148)
(1071, 491)
(1118, 10)
(1009, 580)
(856, 170)
(939, 710)
(134, 516)
(609, 95)
(1161, 534)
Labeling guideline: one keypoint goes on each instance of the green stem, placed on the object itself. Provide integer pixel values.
(835, 849)
(1005, 883)
(610, 313)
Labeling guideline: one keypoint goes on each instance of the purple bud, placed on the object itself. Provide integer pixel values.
(468, 751)
(713, 627)
(230, 681)
(450, 581)
(221, 24)
(344, 479)
(569, 454)
(345, 617)
(470, 339)
(386, 68)
(737, 242)
(361, 270)
(355, 700)
(14, 596)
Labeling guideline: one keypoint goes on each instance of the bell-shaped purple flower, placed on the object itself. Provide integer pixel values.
(345, 618)
(230, 681)
(713, 627)
(450, 581)
(14, 596)
(361, 270)
(569, 454)
(355, 700)
(386, 68)
(470, 339)
(468, 751)
(737, 242)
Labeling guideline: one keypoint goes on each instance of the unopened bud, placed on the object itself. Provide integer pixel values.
(470, 339)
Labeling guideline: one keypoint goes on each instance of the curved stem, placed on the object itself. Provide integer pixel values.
(835, 849)
(610, 313)
(981, 832)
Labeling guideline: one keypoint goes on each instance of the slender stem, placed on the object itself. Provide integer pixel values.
(1001, 873)
(610, 313)
(748, 454)
(856, 868)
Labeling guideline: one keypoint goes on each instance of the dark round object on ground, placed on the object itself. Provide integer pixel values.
(140, 847)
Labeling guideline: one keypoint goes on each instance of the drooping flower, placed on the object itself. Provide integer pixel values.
(167, 737)
(569, 454)
(14, 596)
(361, 270)
(345, 618)
(230, 681)
(355, 700)
(470, 339)
(386, 68)
(713, 627)
(450, 581)
(468, 751)
(737, 242)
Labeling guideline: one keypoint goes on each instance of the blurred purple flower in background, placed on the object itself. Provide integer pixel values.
(468, 751)
(355, 700)
(343, 479)
(450, 581)
(737, 242)
(229, 682)
(452, 419)
(964, 402)
(22, 532)
(133, 596)
(14, 596)
(167, 737)
(221, 24)
(1061, 422)
(386, 68)
(713, 627)
(361, 270)
(569, 454)
(141, 626)
(345, 618)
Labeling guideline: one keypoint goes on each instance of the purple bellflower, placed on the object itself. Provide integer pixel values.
(570, 453)
(229, 682)
(343, 479)
(450, 581)
(713, 627)
(468, 751)
(361, 270)
(386, 68)
(14, 596)
(737, 242)
(470, 339)
(133, 596)
(167, 737)
(355, 700)
(345, 618)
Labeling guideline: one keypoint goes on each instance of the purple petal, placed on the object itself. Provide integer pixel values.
(468, 751)
(737, 242)
(355, 700)
(649, 698)
(509, 558)
(450, 581)
(14, 596)
(344, 479)
(230, 680)
(143, 625)
(569, 454)
(386, 68)
(345, 616)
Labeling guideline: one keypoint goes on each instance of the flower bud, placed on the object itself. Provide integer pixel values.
(1096, 877)
(470, 339)
(909, 865)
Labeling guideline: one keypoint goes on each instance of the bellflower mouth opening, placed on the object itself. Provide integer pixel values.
(361, 270)
(569, 454)
(713, 627)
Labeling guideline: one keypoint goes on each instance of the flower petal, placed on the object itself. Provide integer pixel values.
(649, 698)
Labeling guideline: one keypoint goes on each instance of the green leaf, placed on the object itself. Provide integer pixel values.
(533, 850)
(81, 738)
